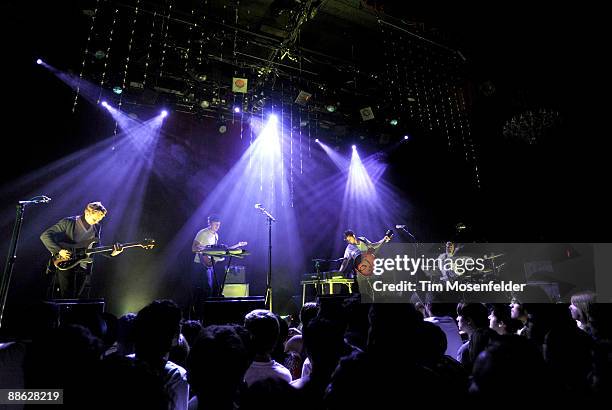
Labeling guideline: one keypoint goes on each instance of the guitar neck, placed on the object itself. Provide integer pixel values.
(103, 249)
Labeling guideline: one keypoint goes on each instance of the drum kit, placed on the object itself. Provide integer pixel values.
(491, 271)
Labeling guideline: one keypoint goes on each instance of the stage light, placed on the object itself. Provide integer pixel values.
(330, 108)
(39, 61)
(406, 137)
(164, 113)
(204, 104)
(273, 118)
(236, 109)
(222, 128)
(316, 140)
(354, 147)
(117, 89)
(393, 121)
(105, 104)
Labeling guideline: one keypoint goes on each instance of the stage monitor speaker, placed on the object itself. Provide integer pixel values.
(221, 311)
(86, 312)
(234, 290)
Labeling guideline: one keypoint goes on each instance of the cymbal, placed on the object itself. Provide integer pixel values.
(327, 260)
(493, 256)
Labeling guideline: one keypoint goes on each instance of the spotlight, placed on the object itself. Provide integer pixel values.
(354, 147)
(164, 113)
(222, 128)
(330, 108)
(273, 118)
(39, 61)
(236, 109)
(105, 104)
(393, 121)
(117, 89)
(406, 137)
(204, 104)
(316, 140)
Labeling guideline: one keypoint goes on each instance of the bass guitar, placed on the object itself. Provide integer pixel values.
(85, 255)
(365, 267)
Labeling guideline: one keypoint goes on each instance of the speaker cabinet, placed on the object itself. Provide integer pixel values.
(86, 312)
(234, 290)
(221, 311)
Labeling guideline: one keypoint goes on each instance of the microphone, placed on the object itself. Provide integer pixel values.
(41, 199)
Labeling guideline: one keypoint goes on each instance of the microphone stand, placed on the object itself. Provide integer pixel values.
(268, 299)
(403, 228)
(415, 250)
(12, 254)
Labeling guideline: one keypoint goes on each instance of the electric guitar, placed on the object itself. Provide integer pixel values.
(365, 267)
(207, 260)
(85, 255)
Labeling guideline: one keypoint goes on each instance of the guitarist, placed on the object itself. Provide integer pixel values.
(205, 265)
(352, 255)
(74, 232)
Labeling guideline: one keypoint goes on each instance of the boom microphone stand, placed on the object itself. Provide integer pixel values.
(12, 254)
(268, 300)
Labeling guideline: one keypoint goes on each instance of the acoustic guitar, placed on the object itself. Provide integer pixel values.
(365, 267)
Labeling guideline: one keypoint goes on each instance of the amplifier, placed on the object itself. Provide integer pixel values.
(234, 290)
(236, 274)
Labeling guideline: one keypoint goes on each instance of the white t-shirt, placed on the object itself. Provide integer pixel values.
(205, 237)
(266, 370)
(175, 383)
(449, 326)
(306, 367)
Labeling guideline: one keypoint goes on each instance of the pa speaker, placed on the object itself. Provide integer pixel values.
(221, 311)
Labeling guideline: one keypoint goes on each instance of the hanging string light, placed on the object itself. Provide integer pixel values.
(165, 28)
(85, 53)
(149, 48)
(127, 57)
(190, 95)
(282, 140)
(201, 50)
(291, 148)
(108, 51)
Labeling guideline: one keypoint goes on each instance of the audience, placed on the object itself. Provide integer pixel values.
(581, 309)
(156, 331)
(139, 361)
(500, 320)
(264, 328)
(217, 364)
(439, 314)
(470, 317)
